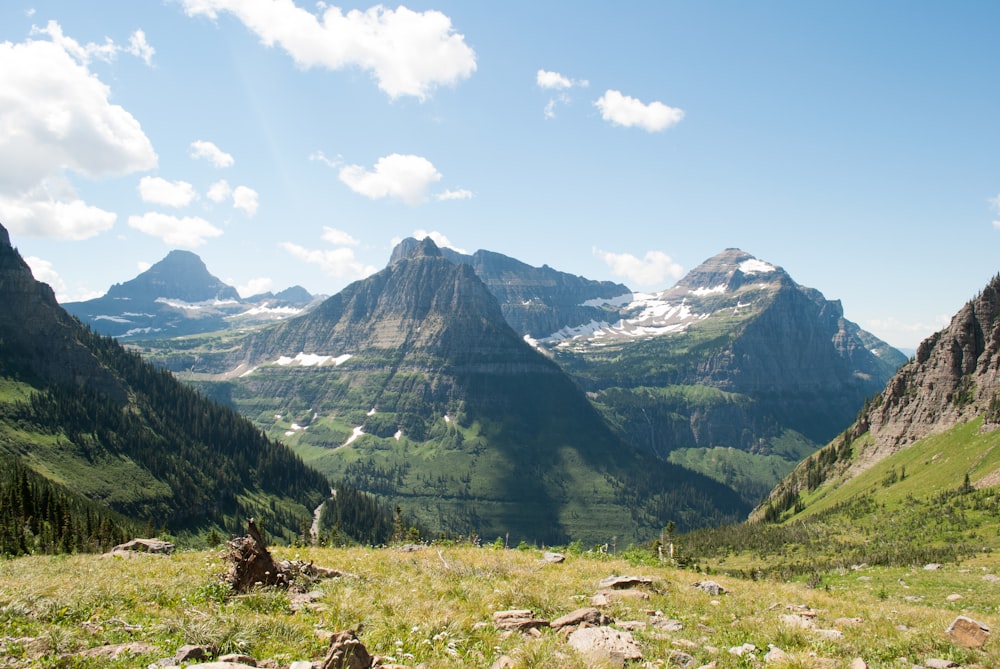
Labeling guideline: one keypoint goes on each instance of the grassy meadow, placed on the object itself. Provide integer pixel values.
(434, 607)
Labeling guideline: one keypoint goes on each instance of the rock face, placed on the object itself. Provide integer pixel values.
(179, 296)
(536, 301)
(954, 377)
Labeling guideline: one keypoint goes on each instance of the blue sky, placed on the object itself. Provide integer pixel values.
(854, 143)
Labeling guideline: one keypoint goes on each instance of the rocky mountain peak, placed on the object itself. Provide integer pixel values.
(728, 270)
(414, 248)
(4, 237)
(181, 275)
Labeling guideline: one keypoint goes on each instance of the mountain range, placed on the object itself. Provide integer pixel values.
(178, 296)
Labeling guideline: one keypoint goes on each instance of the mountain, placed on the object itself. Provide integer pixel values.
(98, 422)
(410, 384)
(933, 428)
(179, 296)
(536, 301)
(736, 371)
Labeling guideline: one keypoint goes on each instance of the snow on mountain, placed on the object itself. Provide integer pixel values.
(312, 360)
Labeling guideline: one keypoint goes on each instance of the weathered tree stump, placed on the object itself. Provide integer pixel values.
(251, 564)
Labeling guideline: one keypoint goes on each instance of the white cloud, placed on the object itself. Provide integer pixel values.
(187, 232)
(43, 271)
(438, 239)
(167, 193)
(219, 191)
(908, 335)
(338, 237)
(140, 48)
(627, 111)
(107, 51)
(208, 150)
(56, 117)
(554, 80)
(246, 199)
(339, 262)
(254, 286)
(652, 269)
(321, 157)
(460, 194)
(143, 265)
(408, 52)
(404, 177)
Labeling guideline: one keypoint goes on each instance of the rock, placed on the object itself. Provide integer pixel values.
(300, 664)
(347, 652)
(605, 644)
(588, 616)
(953, 597)
(796, 620)
(934, 663)
(858, 663)
(678, 658)
(220, 665)
(623, 582)
(606, 597)
(711, 665)
(190, 652)
(833, 635)
(933, 566)
(239, 659)
(553, 558)
(503, 662)
(991, 578)
(521, 620)
(711, 587)
(156, 546)
(666, 624)
(113, 651)
(968, 632)
(848, 622)
(775, 655)
(740, 651)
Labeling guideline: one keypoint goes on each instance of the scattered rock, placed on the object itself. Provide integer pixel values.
(740, 651)
(711, 665)
(521, 620)
(968, 632)
(554, 558)
(300, 664)
(630, 625)
(935, 663)
(113, 651)
(585, 616)
(347, 652)
(219, 664)
(605, 644)
(991, 578)
(833, 635)
(239, 659)
(933, 566)
(858, 663)
(141, 546)
(953, 597)
(711, 587)
(623, 582)
(192, 653)
(666, 624)
(775, 655)
(678, 658)
(796, 620)
(848, 622)
(503, 662)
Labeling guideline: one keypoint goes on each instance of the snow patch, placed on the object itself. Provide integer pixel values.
(754, 266)
(135, 331)
(274, 312)
(194, 306)
(113, 319)
(358, 431)
(447, 418)
(312, 360)
(701, 292)
(619, 301)
(398, 435)
(371, 412)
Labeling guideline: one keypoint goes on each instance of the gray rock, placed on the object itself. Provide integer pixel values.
(935, 663)
(711, 587)
(239, 659)
(189, 653)
(554, 558)
(678, 658)
(933, 566)
(603, 644)
(518, 619)
(775, 655)
(968, 632)
(589, 616)
(623, 582)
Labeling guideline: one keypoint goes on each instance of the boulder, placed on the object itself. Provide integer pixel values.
(553, 558)
(347, 652)
(711, 587)
(146, 546)
(521, 620)
(605, 644)
(190, 652)
(586, 616)
(968, 632)
(623, 582)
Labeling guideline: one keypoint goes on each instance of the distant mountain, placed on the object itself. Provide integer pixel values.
(536, 301)
(97, 421)
(934, 425)
(736, 371)
(410, 384)
(179, 296)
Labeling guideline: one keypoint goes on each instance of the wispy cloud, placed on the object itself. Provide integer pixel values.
(188, 232)
(209, 151)
(629, 112)
(652, 270)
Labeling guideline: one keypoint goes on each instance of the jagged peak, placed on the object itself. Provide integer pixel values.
(181, 274)
(4, 237)
(414, 248)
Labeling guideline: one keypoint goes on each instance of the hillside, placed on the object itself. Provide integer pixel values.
(410, 384)
(736, 371)
(99, 422)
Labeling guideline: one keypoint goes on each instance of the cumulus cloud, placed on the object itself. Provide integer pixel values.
(408, 52)
(558, 82)
(43, 271)
(219, 191)
(459, 194)
(167, 193)
(403, 177)
(254, 286)
(140, 48)
(338, 262)
(187, 232)
(338, 237)
(56, 117)
(106, 51)
(210, 152)
(438, 239)
(626, 111)
(651, 270)
(246, 199)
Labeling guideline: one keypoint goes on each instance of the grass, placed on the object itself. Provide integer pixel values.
(435, 606)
